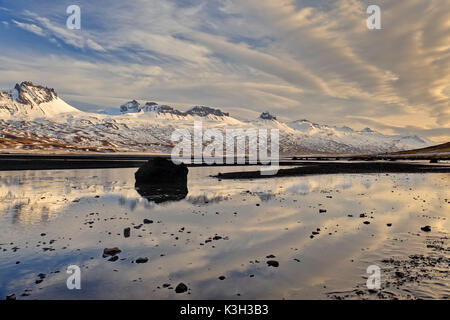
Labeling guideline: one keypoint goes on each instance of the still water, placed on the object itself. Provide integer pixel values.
(52, 219)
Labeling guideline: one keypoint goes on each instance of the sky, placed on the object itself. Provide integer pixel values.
(297, 59)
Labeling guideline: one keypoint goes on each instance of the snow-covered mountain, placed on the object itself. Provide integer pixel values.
(33, 117)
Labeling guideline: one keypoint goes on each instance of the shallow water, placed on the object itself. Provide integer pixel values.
(81, 212)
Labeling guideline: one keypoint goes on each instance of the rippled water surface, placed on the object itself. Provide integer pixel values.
(52, 219)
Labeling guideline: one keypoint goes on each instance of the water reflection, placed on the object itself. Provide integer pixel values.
(84, 211)
(162, 193)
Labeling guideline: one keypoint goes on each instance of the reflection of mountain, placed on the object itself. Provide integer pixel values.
(206, 199)
(34, 118)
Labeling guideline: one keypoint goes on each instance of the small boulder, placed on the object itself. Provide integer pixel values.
(426, 229)
(273, 263)
(141, 260)
(181, 287)
(126, 232)
(111, 252)
(11, 296)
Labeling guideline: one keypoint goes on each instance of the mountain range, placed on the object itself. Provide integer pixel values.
(33, 117)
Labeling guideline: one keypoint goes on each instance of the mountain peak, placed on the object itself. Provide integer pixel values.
(203, 111)
(28, 93)
(130, 107)
(267, 116)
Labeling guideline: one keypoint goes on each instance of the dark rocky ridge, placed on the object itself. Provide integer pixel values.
(39, 94)
(267, 116)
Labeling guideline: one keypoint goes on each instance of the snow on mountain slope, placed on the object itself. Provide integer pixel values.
(34, 118)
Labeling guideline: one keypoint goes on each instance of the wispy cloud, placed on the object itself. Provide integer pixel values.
(298, 59)
(30, 27)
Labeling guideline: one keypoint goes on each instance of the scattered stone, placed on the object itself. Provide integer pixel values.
(270, 256)
(322, 210)
(141, 260)
(426, 229)
(147, 221)
(111, 252)
(181, 287)
(113, 258)
(389, 224)
(273, 263)
(11, 296)
(126, 232)
(366, 222)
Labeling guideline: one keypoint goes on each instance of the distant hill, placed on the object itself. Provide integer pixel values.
(440, 148)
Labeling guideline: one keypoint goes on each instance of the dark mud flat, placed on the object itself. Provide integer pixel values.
(9, 162)
(316, 168)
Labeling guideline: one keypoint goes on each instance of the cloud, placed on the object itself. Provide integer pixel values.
(45, 28)
(30, 27)
(297, 59)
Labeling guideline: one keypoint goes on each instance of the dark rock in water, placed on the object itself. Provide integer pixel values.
(161, 171)
(273, 263)
(126, 232)
(161, 180)
(113, 258)
(11, 296)
(222, 278)
(181, 287)
(426, 228)
(141, 260)
(146, 221)
(111, 252)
